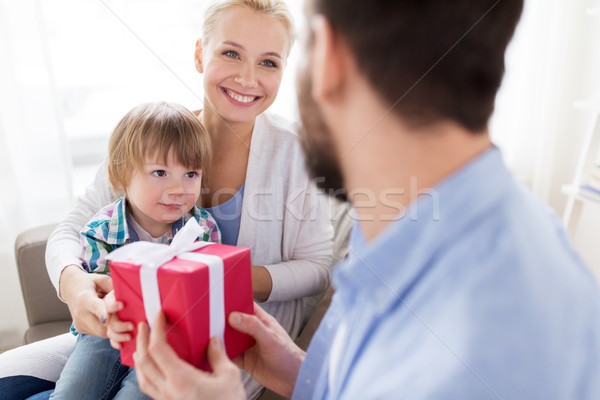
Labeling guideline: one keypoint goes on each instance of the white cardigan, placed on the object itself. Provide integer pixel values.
(285, 222)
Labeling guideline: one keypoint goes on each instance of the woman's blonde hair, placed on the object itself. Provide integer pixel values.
(274, 8)
(152, 130)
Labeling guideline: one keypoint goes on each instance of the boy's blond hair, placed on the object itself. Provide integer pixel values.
(274, 8)
(152, 130)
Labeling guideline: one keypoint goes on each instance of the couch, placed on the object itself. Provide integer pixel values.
(46, 314)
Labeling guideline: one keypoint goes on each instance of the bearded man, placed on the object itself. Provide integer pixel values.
(459, 284)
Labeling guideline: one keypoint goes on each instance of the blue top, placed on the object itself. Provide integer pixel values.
(228, 216)
(475, 294)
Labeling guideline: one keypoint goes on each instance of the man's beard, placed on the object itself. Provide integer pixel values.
(319, 150)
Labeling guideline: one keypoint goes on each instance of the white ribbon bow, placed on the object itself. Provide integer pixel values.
(152, 255)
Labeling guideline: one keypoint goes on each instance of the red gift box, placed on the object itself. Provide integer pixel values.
(186, 289)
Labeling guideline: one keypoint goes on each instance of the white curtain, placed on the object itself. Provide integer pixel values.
(33, 154)
(69, 70)
(552, 63)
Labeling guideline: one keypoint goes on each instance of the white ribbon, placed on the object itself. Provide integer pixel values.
(216, 290)
(152, 255)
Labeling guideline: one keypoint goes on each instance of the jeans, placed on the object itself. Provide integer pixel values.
(94, 371)
(22, 386)
(42, 395)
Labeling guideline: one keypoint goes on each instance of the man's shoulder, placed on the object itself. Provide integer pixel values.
(465, 336)
(497, 286)
(521, 248)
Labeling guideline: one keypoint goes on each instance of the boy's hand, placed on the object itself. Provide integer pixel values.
(117, 330)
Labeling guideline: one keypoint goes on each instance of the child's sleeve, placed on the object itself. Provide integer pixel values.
(94, 252)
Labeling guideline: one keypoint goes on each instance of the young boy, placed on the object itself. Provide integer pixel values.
(155, 159)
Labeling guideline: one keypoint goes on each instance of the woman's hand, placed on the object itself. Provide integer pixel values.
(163, 375)
(117, 330)
(275, 360)
(83, 293)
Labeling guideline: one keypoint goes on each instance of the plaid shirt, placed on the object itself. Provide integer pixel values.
(110, 229)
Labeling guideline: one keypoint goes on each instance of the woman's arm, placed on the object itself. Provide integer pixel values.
(262, 284)
(83, 293)
(64, 245)
(310, 239)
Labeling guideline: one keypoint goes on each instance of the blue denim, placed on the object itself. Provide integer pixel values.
(42, 396)
(22, 386)
(94, 371)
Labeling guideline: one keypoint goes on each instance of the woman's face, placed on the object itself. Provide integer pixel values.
(243, 63)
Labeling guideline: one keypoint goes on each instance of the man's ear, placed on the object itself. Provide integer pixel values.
(198, 56)
(328, 72)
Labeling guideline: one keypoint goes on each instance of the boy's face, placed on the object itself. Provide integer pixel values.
(162, 193)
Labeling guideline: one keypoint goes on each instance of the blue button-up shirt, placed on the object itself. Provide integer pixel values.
(475, 293)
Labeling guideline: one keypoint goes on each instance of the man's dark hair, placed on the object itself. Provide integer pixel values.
(432, 60)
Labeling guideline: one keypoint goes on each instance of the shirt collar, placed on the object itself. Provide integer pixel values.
(121, 232)
(402, 252)
(175, 227)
